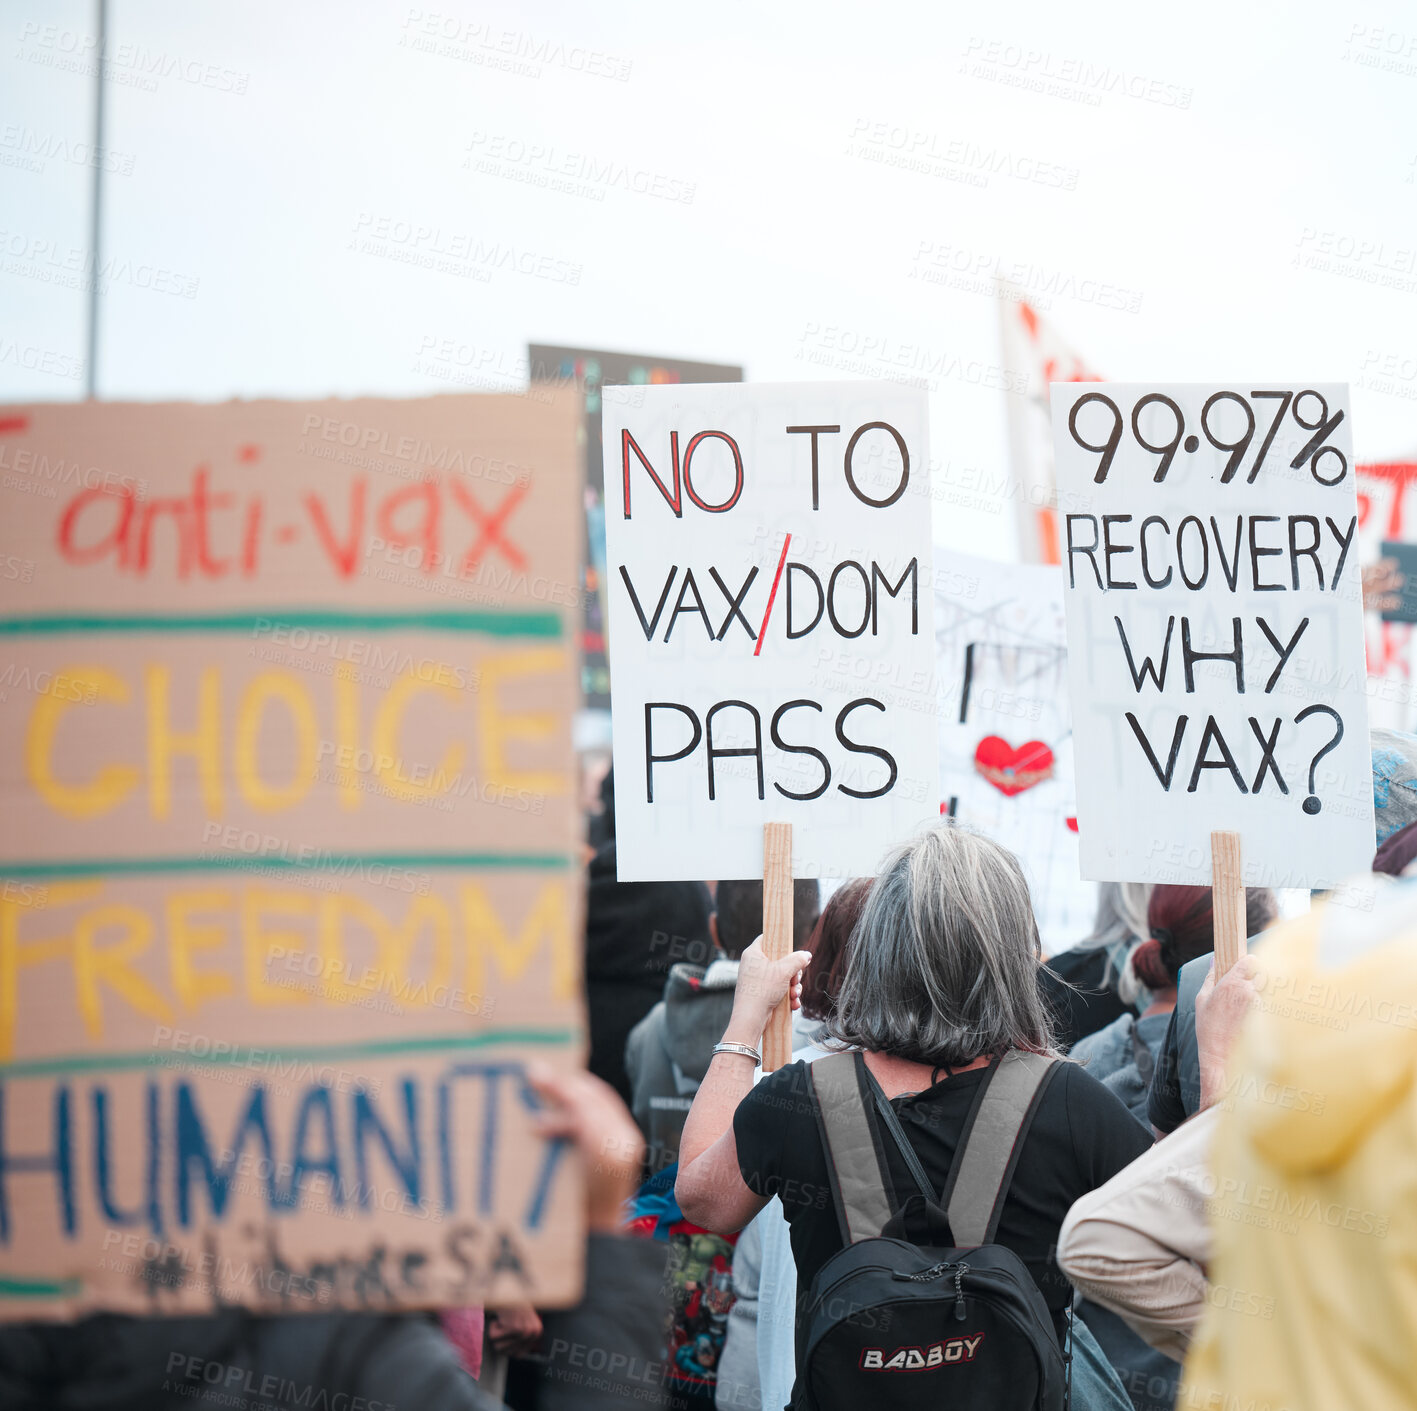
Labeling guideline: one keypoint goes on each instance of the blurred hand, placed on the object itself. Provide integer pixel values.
(588, 1111)
(1221, 1007)
(1383, 582)
(762, 986)
(514, 1330)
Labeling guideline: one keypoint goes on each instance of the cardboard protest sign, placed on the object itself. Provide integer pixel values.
(771, 625)
(1006, 746)
(1215, 636)
(288, 850)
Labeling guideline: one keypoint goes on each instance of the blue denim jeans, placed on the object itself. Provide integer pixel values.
(1095, 1386)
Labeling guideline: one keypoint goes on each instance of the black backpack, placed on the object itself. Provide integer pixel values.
(921, 1309)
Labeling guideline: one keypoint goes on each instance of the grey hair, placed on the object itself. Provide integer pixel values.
(1121, 926)
(944, 963)
(1121, 915)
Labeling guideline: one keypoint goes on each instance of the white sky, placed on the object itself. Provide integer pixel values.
(1299, 139)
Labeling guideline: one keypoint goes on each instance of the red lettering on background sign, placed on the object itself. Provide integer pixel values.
(422, 534)
(345, 557)
(490, 526)
(118, 535)
(184, 530)
(1401, 475)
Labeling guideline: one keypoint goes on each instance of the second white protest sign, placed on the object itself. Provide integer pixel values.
(771, 646)
(1215, 644)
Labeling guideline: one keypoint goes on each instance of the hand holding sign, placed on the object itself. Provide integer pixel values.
(1215, 630)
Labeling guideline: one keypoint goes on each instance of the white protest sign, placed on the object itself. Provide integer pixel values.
(771, 633)
(1006, 747)
(1215, 634)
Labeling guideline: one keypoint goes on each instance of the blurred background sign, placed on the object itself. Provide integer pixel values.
(289, 851)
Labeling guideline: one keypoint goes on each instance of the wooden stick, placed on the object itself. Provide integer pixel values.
(777, 934)
(1228, 895)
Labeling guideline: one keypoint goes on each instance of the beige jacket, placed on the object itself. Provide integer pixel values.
(1139, 1245)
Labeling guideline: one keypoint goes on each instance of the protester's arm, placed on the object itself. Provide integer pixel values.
(1221, 1008)
(607, 1353)
(710, 1189)
(621, 1316)
(1139, 1244)
(588, 1111)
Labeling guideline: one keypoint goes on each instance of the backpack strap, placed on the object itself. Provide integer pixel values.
(849, 1143)
(891, 1122)
(990, 1145)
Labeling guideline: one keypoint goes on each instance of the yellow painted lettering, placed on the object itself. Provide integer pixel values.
(485, 936)
(112, 965)
(107, 789)
(187, 935)
(203, 743)
(17, 955)
(347, 734)
(498, 728)
(394, 946)
(285, 687)
(388, 763)
(259, 945)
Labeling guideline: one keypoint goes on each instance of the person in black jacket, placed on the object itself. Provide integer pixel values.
(635, 931)
(1082, 987)
(668, 1051)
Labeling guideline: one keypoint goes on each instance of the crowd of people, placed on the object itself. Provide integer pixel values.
(1111, 1180)
(1189, 1180)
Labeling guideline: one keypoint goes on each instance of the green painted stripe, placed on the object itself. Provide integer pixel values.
(341, 862)
(40, 1288)
(496, 622)
(60, 1065)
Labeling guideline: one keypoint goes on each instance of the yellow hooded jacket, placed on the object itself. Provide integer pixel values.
(1314, 1212)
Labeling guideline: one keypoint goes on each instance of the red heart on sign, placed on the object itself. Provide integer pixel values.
(1011, 770)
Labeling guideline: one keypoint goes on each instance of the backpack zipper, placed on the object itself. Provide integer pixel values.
(925, 1276)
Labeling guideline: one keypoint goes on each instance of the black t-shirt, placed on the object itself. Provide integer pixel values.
(1081, 1137)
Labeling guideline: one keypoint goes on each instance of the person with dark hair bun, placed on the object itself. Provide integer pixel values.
(828, 947)
(1181, 921)
(1088, 985)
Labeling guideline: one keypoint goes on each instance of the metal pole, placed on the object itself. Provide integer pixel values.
(96, 215)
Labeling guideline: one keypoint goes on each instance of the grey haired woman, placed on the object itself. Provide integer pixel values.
(942, 981)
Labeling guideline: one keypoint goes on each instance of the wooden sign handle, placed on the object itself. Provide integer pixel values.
(777, 935)
(1227, 890)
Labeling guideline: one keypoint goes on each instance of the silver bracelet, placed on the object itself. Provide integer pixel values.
(747, 1050)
